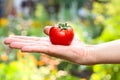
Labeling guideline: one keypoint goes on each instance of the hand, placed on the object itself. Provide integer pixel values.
(76, 52)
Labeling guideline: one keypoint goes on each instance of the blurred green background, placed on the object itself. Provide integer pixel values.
(94, 22)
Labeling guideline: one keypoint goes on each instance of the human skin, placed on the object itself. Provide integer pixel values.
(76, 52)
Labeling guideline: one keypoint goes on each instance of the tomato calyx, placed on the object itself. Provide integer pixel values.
(63, 26)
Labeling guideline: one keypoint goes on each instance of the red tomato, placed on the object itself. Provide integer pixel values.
(61, 34)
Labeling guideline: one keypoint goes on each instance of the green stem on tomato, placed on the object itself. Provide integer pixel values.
(63, 26)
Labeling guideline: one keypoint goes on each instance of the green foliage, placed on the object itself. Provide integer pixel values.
(111, 21)
(106, 72)
(3, 31)
(69, 2)
(68, 77)
(40, 14)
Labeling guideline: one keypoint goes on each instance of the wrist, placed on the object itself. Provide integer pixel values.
(88, 57)
(91, 56)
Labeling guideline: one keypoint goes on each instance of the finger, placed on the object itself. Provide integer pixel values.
(29, 38)
(52, 50)
(11, 39)
(39, 49)
(58, 51)
(19, 45)
(47, 29)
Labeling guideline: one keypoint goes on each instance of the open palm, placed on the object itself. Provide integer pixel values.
(76, 52)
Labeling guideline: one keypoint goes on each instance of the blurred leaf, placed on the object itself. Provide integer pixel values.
(41, 13)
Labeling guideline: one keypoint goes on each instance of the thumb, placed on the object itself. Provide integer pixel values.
(47, 29)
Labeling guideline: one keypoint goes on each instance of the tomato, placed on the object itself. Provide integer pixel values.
(61, 34)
